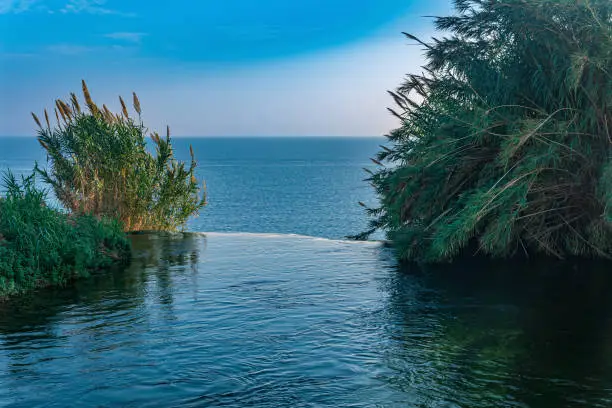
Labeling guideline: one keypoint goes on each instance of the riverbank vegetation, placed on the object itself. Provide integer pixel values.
(41, 246)
(99, 164)
(102, 173)
(504, 147)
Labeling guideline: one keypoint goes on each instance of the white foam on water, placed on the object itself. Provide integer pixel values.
(290, 236)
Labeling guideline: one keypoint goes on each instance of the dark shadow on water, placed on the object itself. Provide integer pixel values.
(481, 334)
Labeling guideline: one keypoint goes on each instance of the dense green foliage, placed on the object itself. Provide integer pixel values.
(41, 246)
(100, 165)
(505, 143)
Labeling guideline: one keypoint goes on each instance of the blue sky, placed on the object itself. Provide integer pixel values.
(223, 67)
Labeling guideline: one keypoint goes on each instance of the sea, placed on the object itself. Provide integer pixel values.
(299, 185)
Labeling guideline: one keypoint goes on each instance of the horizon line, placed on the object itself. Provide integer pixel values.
(242, 136)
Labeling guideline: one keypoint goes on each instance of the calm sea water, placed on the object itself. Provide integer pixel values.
(252, 314)
(308, 186)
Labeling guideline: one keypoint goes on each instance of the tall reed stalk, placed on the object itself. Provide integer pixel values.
(99, 164)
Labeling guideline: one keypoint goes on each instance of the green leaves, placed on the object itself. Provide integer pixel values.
(504, 143)
(41, 246)
(99, 164)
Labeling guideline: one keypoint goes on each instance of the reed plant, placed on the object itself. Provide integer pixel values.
(505, 141)
(41, 246)
(99, 164)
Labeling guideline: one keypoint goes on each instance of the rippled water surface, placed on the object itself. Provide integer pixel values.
(280, 320)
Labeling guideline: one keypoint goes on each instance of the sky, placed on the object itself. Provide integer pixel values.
(215, 67)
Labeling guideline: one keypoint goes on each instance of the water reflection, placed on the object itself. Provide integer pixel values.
(262, 320)
(156, 256)
(41, 329)
(162, 254)
(170, 249)
(481, 335)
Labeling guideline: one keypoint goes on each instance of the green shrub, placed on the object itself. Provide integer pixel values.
(41, 246)
(505, 143)
(100, 165)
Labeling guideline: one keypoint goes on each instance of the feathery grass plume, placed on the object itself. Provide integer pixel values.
(65, 108)
(124, 108)
(108, 115)
(136, 103)
(99, 164)
(37, 120)
(192, 155)
(41, 246)
(93, 108)
(47, 119)
(505, 141)
(60, 109)
(75, 102)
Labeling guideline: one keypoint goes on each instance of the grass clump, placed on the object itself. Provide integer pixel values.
(41, 246)
(99, 165)
(505, 143)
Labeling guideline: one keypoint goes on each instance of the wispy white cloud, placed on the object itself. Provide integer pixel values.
(16, 6)
(86, 6)
(135, 38)
(89, 7)
(65, 7)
